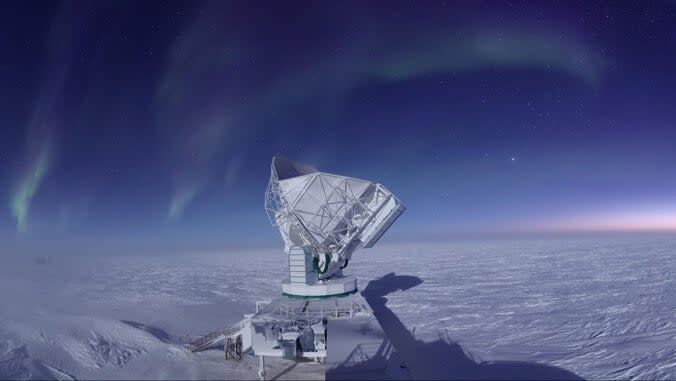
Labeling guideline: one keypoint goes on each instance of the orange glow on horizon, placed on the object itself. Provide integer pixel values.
(651, 220)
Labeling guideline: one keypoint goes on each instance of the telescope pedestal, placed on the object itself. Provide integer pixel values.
(332, 287)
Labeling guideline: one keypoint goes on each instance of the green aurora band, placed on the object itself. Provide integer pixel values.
(329, 79)
(27, 187)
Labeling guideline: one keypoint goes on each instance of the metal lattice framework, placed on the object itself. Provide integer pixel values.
(333, 214)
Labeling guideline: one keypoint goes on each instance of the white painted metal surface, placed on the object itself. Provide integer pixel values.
(301, 271)
(337, 285)
(334, 215)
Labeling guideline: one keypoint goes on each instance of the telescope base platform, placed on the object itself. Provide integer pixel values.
(332, 287)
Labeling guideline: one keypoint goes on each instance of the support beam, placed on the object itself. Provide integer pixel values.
(261, 368)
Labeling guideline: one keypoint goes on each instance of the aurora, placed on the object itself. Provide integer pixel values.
(155, 122)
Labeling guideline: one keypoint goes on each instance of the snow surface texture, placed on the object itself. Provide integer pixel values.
(594, 308)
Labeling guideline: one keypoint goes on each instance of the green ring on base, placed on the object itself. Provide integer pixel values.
(292, 296)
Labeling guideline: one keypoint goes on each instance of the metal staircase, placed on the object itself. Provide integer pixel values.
(224, 333)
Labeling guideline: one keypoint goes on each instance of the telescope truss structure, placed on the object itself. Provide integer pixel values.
(333, 214)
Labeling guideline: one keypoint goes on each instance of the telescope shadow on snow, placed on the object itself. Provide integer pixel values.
(440, 359)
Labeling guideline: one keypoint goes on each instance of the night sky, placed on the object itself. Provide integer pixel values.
(152, 124)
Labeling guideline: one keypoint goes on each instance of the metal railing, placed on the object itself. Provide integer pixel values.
(206, 341)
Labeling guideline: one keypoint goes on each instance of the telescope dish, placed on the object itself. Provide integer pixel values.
(329, 216)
